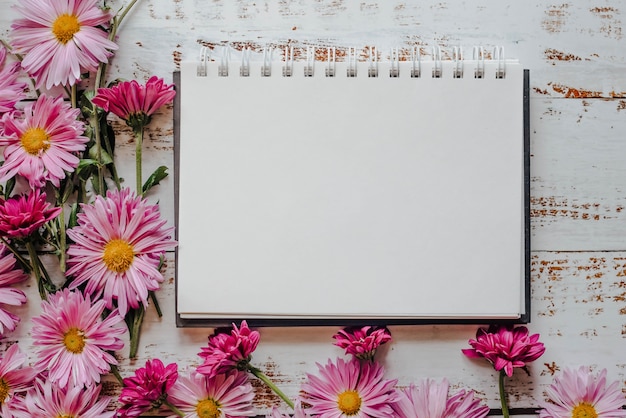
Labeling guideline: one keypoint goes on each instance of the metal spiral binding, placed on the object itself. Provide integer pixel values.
(351, 60)
(372, 70)
(331, 59)
(416, 63)
(288, 67)
(222, 69)
(244, 70)
(202, 62)
(498, 55)
(457, 56)
(478, 55)
(394, 68)
(310, 62)
(266, 68)
(437, 67)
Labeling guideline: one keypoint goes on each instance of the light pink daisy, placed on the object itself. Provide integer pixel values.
(23, 215)
(42, 144)
(11, 90)
(362, 342)
(147, 389)
(14, 380)
(119, 241)
(347, 389)
(47, 400)
(61, 39)
(133, 102)
(9, 275)
(580, 393)
(72, 340)
(430, 400)
(298, 412)
(225, 395)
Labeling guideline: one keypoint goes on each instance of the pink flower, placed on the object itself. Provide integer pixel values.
(9, 275)
(23, 215)
(133, 102)
(119, 242)
(48, 400)
(226, 352)
(11, 90)
(298, 412)
(430, 400)
(506, 347)
(362, 342)
(14, 380)
(61, 39)
(349, 389)
(225, 395)
(42, 145)
(148, 388)
(579, 393)
(72, 340)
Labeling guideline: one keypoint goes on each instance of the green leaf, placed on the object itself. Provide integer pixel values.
(73, 218)
(154, 179)
(106, 158)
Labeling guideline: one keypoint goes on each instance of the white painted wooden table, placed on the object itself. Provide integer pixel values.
(577, 59)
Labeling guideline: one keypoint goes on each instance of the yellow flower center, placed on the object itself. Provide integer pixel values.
(64, 416)
(349, 402)
(208, 408)
(64, 27)
(35, 140)
(74, 340)
(118, 255)
(4, 390)
(584, 410)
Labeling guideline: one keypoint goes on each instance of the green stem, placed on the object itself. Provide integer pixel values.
(121, 16)
(116, 372)
(138, 147)
(260, 375)
(95, 123)
(134, 330)
(156, 303)
(25, 263)
(173, 408)
(62, 240)
(44, 284)
(74, 97)
(505, 408)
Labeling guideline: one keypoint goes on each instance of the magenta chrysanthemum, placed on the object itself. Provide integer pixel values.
(229, 350)
(73, 341)
(147, 389)
(580, 393)
(9, 275)
(506, 347)
(348, 389)
(47, 400)
(61, 39)
(430, 400)
(133, 102)
(225, 395)
(41, 144)
(362, 342)
(21, 216)
(11, 90)
(119, 241)
(14, 379)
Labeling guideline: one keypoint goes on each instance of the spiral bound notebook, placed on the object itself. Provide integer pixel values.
(352, 191)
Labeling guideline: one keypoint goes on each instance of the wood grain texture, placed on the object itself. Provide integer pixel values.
(577, 60)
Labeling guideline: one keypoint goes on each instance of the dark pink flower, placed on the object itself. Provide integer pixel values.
(147, 389)
(362, 342)
(506, 347)
(228, 351)
(133, 102)
(21, 216)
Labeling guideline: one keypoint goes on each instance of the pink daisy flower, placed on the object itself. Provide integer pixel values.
(72, 340)
(430, 400)
(42, 144)
(134, 102)
(298, 412)
(362, 342)
(228, 351)
(61, 39)
(348, 389)
(579, 393)
(23, 215)
(119, 241)
(11, 90)
(14, 380)
(147, 389)
(9, 275)
(505, 347)
(225, 395)
(47, 400)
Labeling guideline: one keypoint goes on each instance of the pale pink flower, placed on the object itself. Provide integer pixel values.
(14, 380)
(23, 215)
(225, 395)
(430, 399)
(505, 347)
(47, 400)
(298, 412)
(362, 342)
(42, 144)
(147, 389)
(349, 389)
(133, 102)
(72, 340)
(11, 90)
(9, 275)
(227, 351)
(61, 39)
(119, 242)
(580, 393)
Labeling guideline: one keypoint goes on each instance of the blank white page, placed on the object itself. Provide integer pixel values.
(351, 197)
